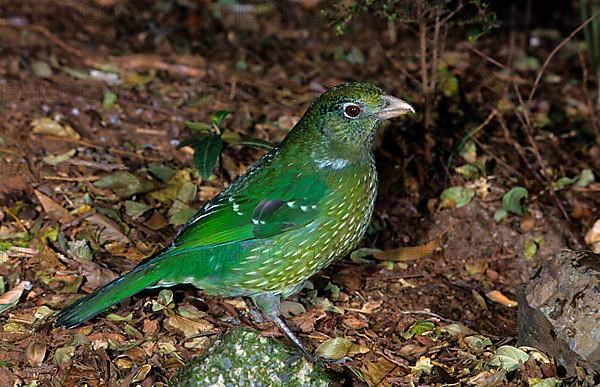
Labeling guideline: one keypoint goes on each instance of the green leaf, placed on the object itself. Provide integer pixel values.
(206, 154)
(161, 172)
(49, 234)
(109, 100)
(459, 195)
(585, 178)
(164, 300)
(509, 358)
(448, 82)
(531, 247)
(334, 349)
(420, 327)
(468, 171)
(199, 126)
(219, 116)
(562, 183)
(500, 214)
(513, 200)
(255, 142)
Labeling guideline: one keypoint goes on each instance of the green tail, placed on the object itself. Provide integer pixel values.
(146, 274)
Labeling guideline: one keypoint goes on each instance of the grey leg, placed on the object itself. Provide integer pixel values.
(269, 304)
(254, 312)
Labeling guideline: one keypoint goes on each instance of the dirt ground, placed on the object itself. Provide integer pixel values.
(91, 89)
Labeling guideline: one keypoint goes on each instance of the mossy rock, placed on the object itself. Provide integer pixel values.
(243, 358)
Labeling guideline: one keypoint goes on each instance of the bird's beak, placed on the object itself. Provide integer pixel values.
(394, 107)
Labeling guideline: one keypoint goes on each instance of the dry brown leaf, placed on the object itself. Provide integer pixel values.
(35, 352)
(46, 125)
(498, 297)
(592, 237)
(110, 231)
(527, 222)
(54, 210)
(129, 252)
(353, 322)
(411, 253)
(11, 298)
(412, 351)
(189, 327)
(95, 274)
(375, 373)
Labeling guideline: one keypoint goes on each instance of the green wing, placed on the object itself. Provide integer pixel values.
(255, 207)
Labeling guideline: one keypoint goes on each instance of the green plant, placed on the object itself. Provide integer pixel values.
(212, 138)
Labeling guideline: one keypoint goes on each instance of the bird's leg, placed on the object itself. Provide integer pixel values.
(254, 312)
(269, 304)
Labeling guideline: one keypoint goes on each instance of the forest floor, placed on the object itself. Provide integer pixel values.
(95, 98)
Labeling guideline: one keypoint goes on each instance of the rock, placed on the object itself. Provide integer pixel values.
(559, 310)
(243, 358)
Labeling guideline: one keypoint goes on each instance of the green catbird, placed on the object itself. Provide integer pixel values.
(304, 204)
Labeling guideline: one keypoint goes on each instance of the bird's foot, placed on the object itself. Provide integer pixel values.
(254, 312)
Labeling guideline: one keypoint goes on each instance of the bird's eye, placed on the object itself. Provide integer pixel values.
(351, 110)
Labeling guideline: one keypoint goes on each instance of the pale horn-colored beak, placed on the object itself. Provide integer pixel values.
(394, 107)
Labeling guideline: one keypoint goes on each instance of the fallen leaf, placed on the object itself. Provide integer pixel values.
(11, 298)
(527, 222)
(353, 322)
(498, 297)
(57, 159)
(125, 184)
(63, 354)
(457, 329)
(142, 373)
(592, 237)
(411, 253)
(47, 125)
(456, 197)
(477, 342)
(334, 349)
(109, 230)
(188, 327)
(95, 274)
(509, 358)
(54, 210)
(375, 373)
(412, 351)
(35, 352)
(291, 308)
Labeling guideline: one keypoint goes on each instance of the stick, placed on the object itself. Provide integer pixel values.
(556, 49)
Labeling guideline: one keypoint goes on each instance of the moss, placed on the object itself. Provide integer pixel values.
(243, 358)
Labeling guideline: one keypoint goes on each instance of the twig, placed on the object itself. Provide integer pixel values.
(586, 93)
(488, 58)
(554, 51)
(426, 313)
(73, 179)
(525, 120)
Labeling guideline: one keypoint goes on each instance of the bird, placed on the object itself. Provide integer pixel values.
(304, 204)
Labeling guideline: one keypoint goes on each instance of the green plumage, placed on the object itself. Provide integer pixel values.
(301, 206)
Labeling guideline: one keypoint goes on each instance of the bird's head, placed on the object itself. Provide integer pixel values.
(350, 114)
